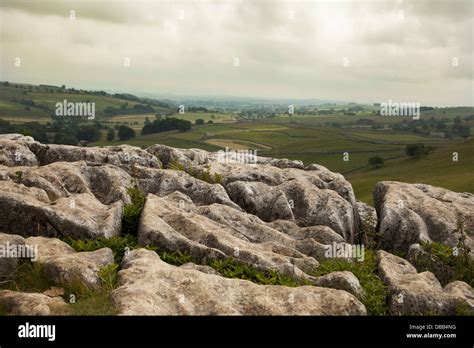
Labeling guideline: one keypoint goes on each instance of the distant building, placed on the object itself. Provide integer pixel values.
(437, 134)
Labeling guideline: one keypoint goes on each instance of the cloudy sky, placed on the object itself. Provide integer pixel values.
(367, 51)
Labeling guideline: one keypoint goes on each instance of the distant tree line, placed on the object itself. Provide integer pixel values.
(166, 124)
(199, 109)
(60, 131)
(125, 110)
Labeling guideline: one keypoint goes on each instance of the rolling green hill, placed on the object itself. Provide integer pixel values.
(25, 102)
(437, 169)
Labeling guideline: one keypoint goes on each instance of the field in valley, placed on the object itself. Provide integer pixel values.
(335, 141)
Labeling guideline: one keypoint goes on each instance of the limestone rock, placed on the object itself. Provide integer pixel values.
(164, 182)
(29, 212)
(65, 266)
(24, 303)
(410, 213)
(200, 268)
(343, 280)
(167, 225)
(368, 214)
(168, 155)
(149, 286)
(320, 233)
(14, 151)
(259, 199)
(413, 293)
(62, 179)
(124, 156)
(9, 262)
(54, 292)
(298, 200)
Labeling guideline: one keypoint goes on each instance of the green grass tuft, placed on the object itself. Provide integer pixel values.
(29, 277)
(204, 175)
(230, 268)
(118, 244)
(95, 301)
(176, 258)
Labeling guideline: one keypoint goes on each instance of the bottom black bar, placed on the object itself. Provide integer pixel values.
(168, 331)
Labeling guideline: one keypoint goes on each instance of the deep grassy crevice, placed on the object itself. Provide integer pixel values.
(229, 268)
(132, 211)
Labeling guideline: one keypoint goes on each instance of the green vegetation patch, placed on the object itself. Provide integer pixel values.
(204, 175)
(231, 268)
(132, 211)
(31, 277)
(95, 301)
(446, 263)
(376, 293)
(118, 245)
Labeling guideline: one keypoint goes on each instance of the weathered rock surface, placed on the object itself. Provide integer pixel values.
(24, 303)
(169, 155)
(413, 293)
(463, 293)
(200, 268)
(65, 266)
(320, 233)
(294, 199)
(149, 286)
(9, 262)
(124, 156)
(28, 211)
(342, 280)
(368, 214)
(164, 182)
(208, 232)
(273, 214)
(107, 183)
(271, 188)
(277, 189)
(197, 157)
(410, 213)
(15, 153)
(259, 199)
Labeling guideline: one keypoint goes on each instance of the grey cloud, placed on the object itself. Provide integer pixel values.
(279, 57)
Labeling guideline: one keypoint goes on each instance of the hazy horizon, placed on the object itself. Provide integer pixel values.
(362, 52)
